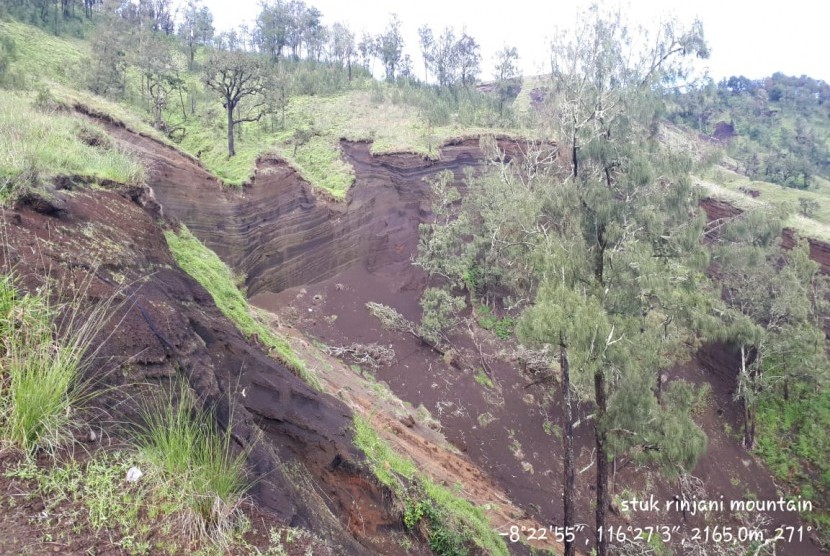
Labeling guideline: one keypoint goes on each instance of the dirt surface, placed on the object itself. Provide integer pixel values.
(315, 264)
(503, 429)
(166, 324)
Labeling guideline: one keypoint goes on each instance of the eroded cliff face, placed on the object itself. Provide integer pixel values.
(102, 243)
(283, 236)
(279, 233)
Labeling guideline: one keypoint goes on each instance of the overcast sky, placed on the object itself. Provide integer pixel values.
(753, 38)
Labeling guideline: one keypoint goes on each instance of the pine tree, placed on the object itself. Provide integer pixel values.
(628, 223)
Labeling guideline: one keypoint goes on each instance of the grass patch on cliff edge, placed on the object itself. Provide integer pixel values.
(214, 275)
(449, 522)
(39, 144)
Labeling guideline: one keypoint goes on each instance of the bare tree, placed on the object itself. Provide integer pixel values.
(236, 76)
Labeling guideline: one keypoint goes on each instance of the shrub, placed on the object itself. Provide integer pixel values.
(439, 308)
(808, 207)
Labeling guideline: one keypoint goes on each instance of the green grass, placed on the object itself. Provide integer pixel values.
(353, 115)
(36, 145)
(42, 366)
(793, 441)
(483, 380)
(501, 327)
(195, 458)
(449, 522)
(723, 185)
(41, 55)
(778, 194)
(391, 117)
(214, 275)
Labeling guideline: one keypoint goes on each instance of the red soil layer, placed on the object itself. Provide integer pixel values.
(168, 326)
(284, 237)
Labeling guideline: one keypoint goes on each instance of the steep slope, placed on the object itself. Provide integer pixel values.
(328, 259)
(168, 326)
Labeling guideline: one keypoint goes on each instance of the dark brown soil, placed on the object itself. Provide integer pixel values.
(503, 428)
(315, 264)
(167, 325)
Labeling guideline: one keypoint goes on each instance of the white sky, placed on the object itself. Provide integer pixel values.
(746, 37)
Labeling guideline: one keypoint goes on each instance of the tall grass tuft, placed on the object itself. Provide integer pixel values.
(195, 460)
(46, 348)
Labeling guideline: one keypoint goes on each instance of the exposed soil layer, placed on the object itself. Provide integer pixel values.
(504, 428)
(317, 263)
(280, 234)
(102, 244)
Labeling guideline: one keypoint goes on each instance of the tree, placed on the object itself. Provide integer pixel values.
(159, 15)
(8, 54)
(773, 307)
(468, 58)
(109, 46)
(390, 46)
(197, 27)
(314, 33)
(598, 74)
(443, 62)
(426, 41)
(341, 46)
(634, 223)
(236, 76)
(506, 74)
(160, 76)
(367, 48)
(271, 33)
(295, 28)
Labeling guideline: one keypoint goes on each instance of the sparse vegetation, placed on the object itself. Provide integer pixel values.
(449, 522)
(483, 380)
(209, 270)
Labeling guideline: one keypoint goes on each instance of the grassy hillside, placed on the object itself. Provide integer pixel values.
(316, 116)
(38, 143)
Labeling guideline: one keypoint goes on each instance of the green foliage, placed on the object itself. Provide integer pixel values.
(774, 127)
(36, 146)
(439, 309)
(185, 444)
(774, 307)
(483, 380)
(8, 54)
(451, 524)
(209, 270)
(502, 327)
(45, 350)
(682, 442)
(808, 207)
(793, 442)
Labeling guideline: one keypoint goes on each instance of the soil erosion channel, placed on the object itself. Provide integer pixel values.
(316, 264)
